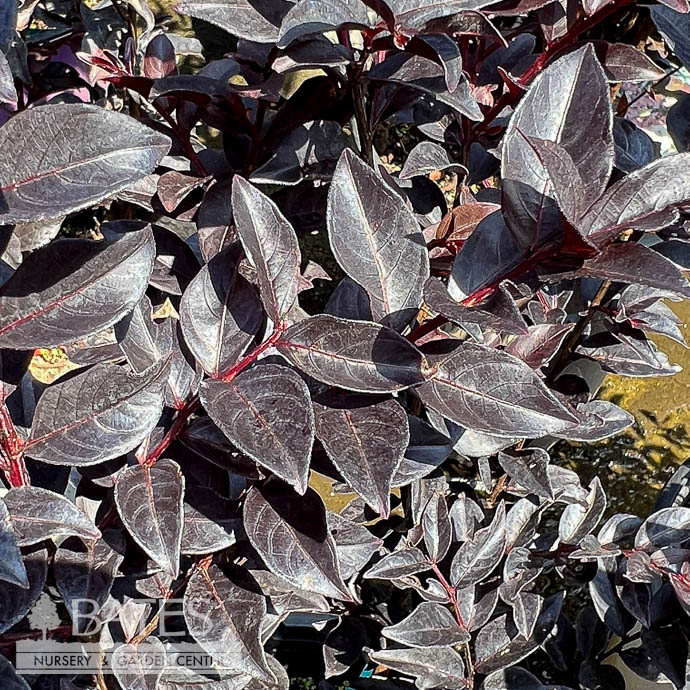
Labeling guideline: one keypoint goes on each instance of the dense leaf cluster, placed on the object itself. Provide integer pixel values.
(212, 400)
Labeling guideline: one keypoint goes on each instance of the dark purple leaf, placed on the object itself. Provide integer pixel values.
(491, 391)
(366, 442)
(399, 564)
(476, 558)
(9, 678)
(343, 646)
(529, 470)
(432, 667)
(634, 148)
(220, 314)
(8, 23)
(666, 527)
(607, 603)
(638, 198)
(16, 601)
(568, 103)
(266, 412)
(283, 596)
(578, 520)
(270, 244)
(354, 544)
(80, 154)
(427, 77)
(427, 157)
(349, 301)
(625, 63)
(675, 28)
(310, 17)
(309, 152)
(541, 343)
(443, 50)
(226, 621)
(429, 625)
(97, 415)
(414, 14)
(438, 532)
(356, 355)
(290, 533)
(8, 93)
(488, 255)
(12, 568)
(631, 262)
(599, 419)
(376, 240)
(498, 312)
(38, 514)
(213, 219)
(210, 524)
(84, 575)
(499, 646)
(73, 288)
(465, 515)
(426, 451)
(207, 440)
(256, 20)
(149, 501)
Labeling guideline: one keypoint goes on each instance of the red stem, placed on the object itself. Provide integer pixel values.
(173, 432)
(450, 591)
(13, 447)
(230, 374)
(193, 405)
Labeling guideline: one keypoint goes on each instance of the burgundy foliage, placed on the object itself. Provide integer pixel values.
(166, 225)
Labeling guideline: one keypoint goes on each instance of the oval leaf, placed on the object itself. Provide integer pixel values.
(220, 313)
(429, 625)
(366, 443)
(73, 288)
(79, 155)
(39, 514)
(290, 533)
(486, 390)
(270, 244)
(97, 415)
(149, 501)
(226, 621)
(376, 240)
(356, 355)
(266, 412)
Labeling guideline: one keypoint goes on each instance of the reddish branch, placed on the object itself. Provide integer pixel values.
(192, 405)
(12, 449)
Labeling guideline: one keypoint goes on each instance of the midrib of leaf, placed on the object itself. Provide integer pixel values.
(93, 279)
(91, 416)
(70, 166)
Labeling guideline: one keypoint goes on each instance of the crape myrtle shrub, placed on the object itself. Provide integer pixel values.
(463, 337)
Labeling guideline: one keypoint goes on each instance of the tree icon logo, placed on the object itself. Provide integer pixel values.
(43, 615)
